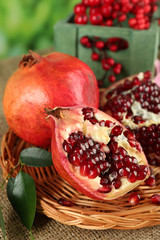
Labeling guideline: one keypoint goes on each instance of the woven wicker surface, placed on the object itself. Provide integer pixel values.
(85, 213)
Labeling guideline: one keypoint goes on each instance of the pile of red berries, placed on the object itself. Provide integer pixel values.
(100, 50)
(138, 13)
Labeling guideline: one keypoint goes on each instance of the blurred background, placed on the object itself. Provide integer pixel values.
(28, 24)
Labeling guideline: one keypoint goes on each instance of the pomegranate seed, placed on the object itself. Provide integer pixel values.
(67, 147)
(93, 173)
(105, 189)
(151, 181)
(75, 159)
(117, 130)
(117, 183)
(155, 199)
(65, 202)
(132, 176)
(124, 172)
(134, 199)
(109, 123)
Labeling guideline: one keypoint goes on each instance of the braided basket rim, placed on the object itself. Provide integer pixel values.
(85, 213)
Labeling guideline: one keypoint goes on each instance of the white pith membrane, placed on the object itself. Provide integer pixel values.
(101, 135)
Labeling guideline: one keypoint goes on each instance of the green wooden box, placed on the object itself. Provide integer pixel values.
(140, 56)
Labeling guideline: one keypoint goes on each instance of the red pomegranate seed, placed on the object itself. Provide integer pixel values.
(109, 123)
(88, 113)
(134, 199)
(129, 134)
(65, 202)
(75, 159)
(124, 172)
(84, 169)
(117, 183)
(151, 181)
(105, 189)
(93, 173)
(132, 176)
(93, 120)
(67, 147)
(155, 199)
(114, 147)
(117, 130)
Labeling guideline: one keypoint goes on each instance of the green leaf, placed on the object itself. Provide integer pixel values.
(2, 225)
(21, 193)
(36, 157)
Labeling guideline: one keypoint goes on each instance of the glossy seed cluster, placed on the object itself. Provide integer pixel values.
(120, 99)
(147, 94)
(109, 162)
(149, 138)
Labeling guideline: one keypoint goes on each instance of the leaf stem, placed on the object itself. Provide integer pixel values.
(31, 235)
(9, 175)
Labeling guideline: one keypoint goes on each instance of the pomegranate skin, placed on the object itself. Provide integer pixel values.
(53, 80)
(64, 121)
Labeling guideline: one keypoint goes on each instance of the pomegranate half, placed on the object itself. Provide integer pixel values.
(48, 81)
(135, 102)
(92, 152)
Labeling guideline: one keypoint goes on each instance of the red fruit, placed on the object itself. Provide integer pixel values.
(97, 146)
(134, 199)
(81, 18)
(79, 8)
(135, 101)
(95, 56)
(151, 181)
(155, 199)
(96, 19)
(41, 82)
(65, 202)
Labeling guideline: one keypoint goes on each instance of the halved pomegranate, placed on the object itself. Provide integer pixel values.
(135, 102)
(92, 152)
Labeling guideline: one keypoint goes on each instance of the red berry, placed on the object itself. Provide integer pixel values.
(85, 2)
(105, 65)
(96, 19)
(99, 44)
(109, 22)
(112, 78)
(93, 3)
(81, 19)
(113, 48)
(134, 199)
(95, 56)
(106, 10)
(84, 40)
(132, 22)
(110, 61)
(94, 10)
(122, 18)
(79, 9)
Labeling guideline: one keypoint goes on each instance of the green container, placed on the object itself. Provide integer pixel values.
(140, 56)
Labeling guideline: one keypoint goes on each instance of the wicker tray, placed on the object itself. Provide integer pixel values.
(85, 213)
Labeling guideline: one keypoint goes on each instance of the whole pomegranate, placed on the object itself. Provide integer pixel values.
(135, 102)
(92, 152)
(53, 80)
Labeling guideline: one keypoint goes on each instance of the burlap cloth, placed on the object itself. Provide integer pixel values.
(45, 228)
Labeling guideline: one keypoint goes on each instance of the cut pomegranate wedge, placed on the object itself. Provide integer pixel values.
(93, 152)
(135, 102)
